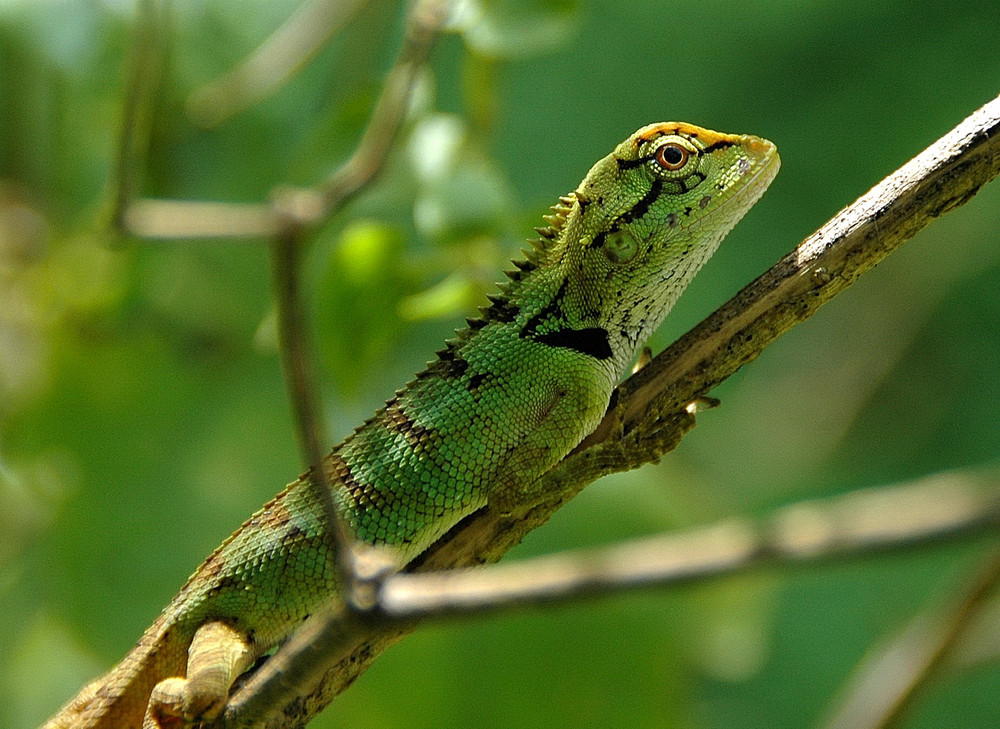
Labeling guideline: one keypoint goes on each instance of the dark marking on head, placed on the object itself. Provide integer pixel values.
(592, 341)
(476, 381)
(643, 204)
(631, 164)
(703, 203)
(715, 146)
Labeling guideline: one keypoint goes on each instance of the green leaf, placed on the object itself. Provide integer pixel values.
(362, 283)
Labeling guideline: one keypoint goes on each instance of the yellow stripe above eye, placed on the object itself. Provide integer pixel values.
(706, 136)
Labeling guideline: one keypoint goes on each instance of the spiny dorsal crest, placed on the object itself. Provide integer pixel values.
(500, 308)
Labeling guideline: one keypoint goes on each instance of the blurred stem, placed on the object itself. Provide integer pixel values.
(479, 83)
(144, 67)
(297, 209)
(423, 24)
(273, 63)
(855, 525)
(299, 381)
(886, 683)
(301, 209)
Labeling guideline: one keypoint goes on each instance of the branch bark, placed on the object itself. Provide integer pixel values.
(652, 410)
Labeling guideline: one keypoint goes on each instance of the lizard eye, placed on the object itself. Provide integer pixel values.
(672, 156)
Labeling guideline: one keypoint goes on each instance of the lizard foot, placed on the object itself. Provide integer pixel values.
(217, 655)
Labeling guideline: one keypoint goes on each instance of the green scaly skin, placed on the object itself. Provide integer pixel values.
(504, 401)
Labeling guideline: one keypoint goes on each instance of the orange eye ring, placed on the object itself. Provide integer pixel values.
(672, 156)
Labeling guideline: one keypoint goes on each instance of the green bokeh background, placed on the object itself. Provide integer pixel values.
(142, 413)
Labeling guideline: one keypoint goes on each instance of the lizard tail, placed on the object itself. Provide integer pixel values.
(118, 699)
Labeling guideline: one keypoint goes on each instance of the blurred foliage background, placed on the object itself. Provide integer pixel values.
(142, 413)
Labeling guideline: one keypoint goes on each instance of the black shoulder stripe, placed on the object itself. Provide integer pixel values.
(592, 341)
(552, 310)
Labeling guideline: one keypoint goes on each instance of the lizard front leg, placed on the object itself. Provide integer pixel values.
(217, 655)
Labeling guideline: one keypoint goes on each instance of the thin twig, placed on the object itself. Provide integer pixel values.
(273, 63)
(172, 219)
(299, 380)
(886, 683)
(423, 23)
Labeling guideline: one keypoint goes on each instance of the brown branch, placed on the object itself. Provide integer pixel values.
(151, 219)
(887, 682)
(296, 363)
(424, 22)
(650, 412)
(856, 525)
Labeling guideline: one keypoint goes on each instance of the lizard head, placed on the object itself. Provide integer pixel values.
(645, 219)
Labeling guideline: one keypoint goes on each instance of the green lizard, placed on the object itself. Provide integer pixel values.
(504, 401)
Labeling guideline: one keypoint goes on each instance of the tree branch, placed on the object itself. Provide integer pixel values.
(854, 525)
(651, 411)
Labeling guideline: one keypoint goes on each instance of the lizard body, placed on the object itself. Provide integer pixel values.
(504, 401)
